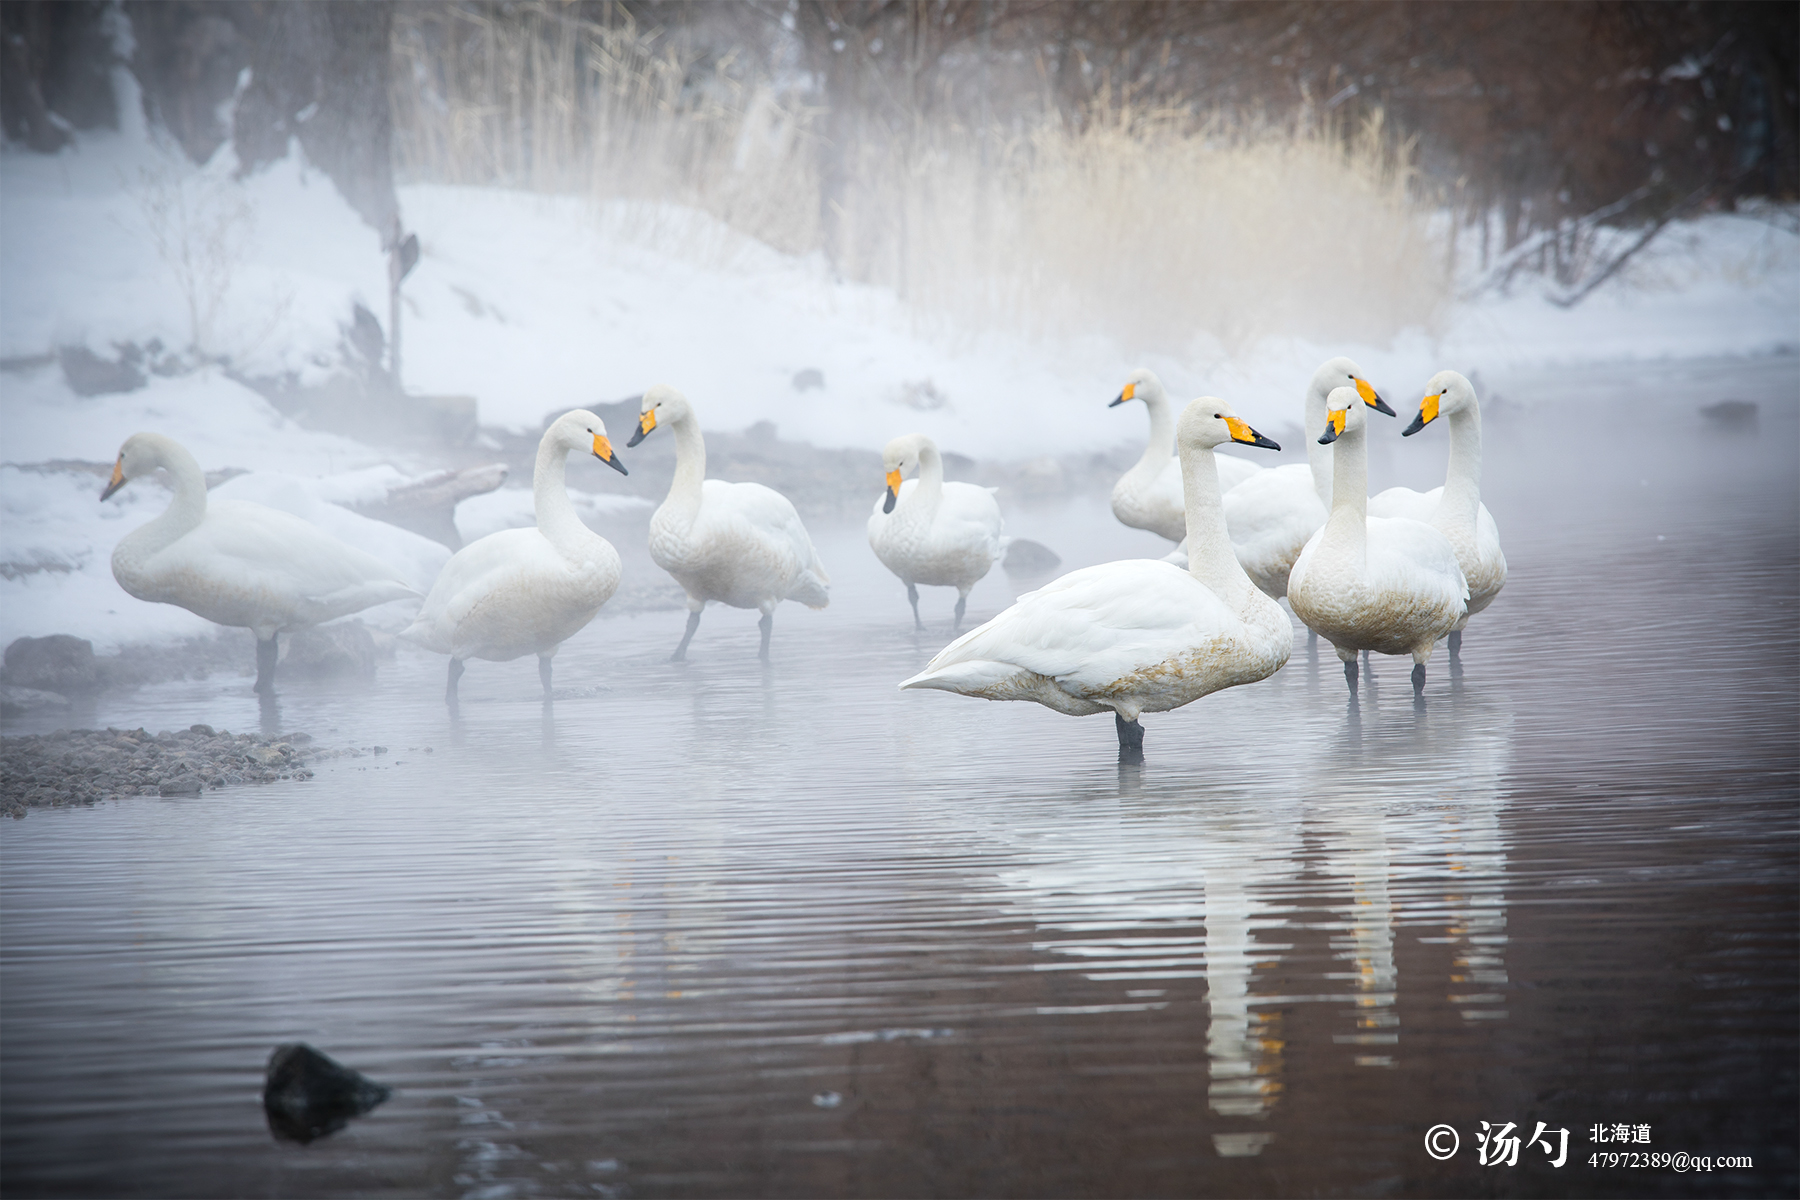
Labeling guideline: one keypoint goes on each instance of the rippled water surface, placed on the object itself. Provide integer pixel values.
(715, 929)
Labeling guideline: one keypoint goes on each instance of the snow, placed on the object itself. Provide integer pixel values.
(536, 304)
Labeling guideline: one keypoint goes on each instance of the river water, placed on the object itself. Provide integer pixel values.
(716, 929)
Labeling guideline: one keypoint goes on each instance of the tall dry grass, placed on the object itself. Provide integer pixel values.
(1163, 230)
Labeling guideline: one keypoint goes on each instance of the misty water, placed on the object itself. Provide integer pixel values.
(721, 929)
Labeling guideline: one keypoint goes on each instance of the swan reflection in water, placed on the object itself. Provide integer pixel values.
(1398, 822)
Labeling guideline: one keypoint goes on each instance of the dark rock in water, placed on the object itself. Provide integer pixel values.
(811, 377)
(307, 1096)
(58, 663)
(1731, 414)
(1026, 557)
(186, 785)
(17, 701)
(90, 375)
(346, 648)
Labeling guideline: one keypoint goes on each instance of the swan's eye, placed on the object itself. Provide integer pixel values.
(1218, 416)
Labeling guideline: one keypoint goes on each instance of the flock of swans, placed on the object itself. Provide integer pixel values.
(1392, 574)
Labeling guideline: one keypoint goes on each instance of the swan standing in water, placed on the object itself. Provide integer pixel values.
(927, 531)
(741, 544)
(1455, 509)
(525, 591)
(1149, 496)
(1273, 513)
(1386, 584)
(1138, 635)
(237, 563)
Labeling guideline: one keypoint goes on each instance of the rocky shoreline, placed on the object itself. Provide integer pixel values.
(85, 766)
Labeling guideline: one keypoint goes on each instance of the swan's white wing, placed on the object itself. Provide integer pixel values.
(1404, 502)
(1270, 516)
(764, 525)
(970, 513)
(477, 571)
(1408, 556)
(1089, 629)
(1233, 471)
(248, 547)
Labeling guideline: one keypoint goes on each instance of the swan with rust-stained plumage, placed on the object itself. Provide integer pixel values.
(1385, 584)
(1138, 635)
(1149, 496)
(740, 544)
(526, 591)
(928, 531)
(1455, 509)
(237, 563)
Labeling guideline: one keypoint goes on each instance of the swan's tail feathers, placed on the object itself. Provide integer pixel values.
(974, 678)
(812, 589)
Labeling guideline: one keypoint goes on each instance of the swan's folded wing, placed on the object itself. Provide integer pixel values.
(267, 547)
(1404, 502)
(1408, 555)
(763, 513)
(1088, 629)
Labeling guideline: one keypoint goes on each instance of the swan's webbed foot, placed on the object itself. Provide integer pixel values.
(912, 594)
(1350, 673)
(266, 654)
(962, 605)
(544, 674)
(766, 625)
(1131, 739)
(456, 670)
(693, 623)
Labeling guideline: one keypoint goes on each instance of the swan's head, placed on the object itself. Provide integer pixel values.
(580, 431)
(141, 454)
(662, 405)
(1141, 384)
(1448, 392)
(1209, 422)
(901, 455)
(1343, 372)
(1344, 412)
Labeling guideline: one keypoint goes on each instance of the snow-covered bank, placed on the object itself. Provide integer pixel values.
(535, 304)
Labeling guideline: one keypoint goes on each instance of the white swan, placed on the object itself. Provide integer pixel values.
(1385, 584)
(1455, 509)
(927, 531)
(237, 563)
(741, 544)
(1149, 495)
(526, 591)
(1139, 635)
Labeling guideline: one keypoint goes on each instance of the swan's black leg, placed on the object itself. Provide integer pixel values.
(1350, 674)
(1455, 645)
(266, 653)
(962, 606)
(912, 594)
(693, 624)
(456, 670)
(1131, 734)
(1418, 677)
(766, 624)
(544, 674)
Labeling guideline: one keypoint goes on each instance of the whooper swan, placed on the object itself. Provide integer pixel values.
(526, 591)
(1139, 635)
(1149, 495)
(927, 531)
(740, 544)
(1386, 584)
(237, 563)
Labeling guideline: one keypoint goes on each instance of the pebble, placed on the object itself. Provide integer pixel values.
(83, 766)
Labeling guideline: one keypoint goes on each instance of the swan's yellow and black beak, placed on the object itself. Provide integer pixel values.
(1130, 393)
(1372, 398)
(1428, 412)
(646, 422)
(1244, 435)
(893, 491)
(118, 479)
(604, 452)
(1334, 426)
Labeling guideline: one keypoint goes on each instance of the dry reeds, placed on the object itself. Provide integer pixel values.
(1163, 230)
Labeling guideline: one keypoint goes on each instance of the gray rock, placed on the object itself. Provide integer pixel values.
(90, 375)
(1026, 557)
(306, 1095)
(58, 663)
(17, 701)
(809, 378)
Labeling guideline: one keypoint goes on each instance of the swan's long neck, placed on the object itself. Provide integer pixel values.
(1211, 559)
(556, 518)
(185, 511)
(690, 467)
(1461, 501)
(928, 493)
(1349, 523)
(1318, 457)
(1162, 431)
